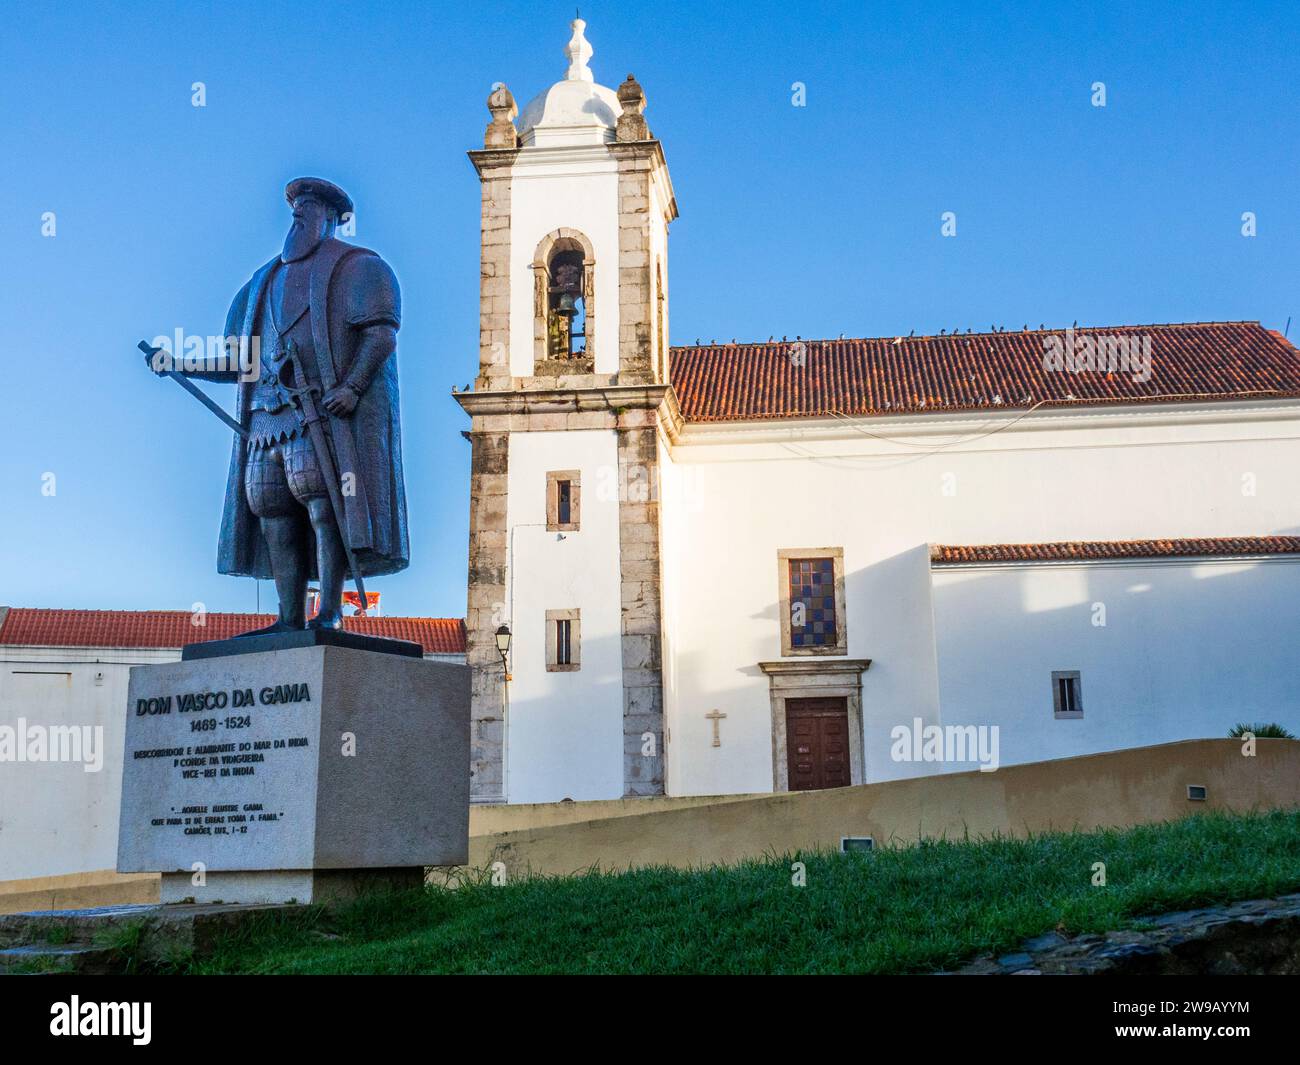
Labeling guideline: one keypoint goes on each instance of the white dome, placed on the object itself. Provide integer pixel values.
(575, 110)
(570, 112)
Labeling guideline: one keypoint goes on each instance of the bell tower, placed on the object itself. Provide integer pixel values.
(569, 419)
(575, 211)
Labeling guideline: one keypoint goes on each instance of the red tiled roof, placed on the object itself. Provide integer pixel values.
(910, 375)
(173, 628)
(1087, 550)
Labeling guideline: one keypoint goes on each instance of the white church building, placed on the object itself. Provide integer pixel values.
(774, 566)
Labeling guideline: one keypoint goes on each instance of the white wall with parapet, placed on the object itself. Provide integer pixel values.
(1166, 650)
(564, 736)
(884, 488)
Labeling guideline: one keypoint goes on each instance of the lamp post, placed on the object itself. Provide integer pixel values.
(503, 646)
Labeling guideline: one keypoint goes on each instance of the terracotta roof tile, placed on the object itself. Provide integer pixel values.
(1088, 550)
(888, 375)
(173, 628)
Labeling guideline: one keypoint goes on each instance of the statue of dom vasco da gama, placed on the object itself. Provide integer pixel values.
(315, 486)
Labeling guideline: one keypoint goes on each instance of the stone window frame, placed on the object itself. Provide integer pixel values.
(836, 555)
(563, 239)
(839, 679)
(1059, 675)
(575, 641)
(553, 479)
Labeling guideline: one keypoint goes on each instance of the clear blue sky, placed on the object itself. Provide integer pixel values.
(814, 220)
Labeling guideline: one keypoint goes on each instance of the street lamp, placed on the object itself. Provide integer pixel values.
(503, 646)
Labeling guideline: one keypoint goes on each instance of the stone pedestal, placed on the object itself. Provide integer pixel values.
(301, 774)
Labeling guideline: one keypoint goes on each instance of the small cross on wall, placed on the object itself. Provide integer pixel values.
(715, 716)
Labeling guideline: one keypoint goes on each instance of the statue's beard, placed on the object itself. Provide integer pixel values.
(299, 242)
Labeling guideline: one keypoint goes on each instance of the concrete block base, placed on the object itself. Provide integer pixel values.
(263, 888)
(297, 774)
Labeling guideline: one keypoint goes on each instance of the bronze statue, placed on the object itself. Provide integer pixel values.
(315, 487)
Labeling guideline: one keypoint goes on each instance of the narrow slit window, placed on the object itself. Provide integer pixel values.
(563, 643)
(1067, 694)
(564, 502)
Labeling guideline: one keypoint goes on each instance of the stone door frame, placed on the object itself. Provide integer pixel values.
(816, 678)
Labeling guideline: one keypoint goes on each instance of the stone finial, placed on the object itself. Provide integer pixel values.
(579, 51)
(501, 130)
(631, 123)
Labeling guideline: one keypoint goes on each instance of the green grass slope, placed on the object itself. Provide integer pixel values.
(902, 909)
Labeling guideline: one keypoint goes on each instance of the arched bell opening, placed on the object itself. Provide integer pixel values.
(566, 321)
(564, 304)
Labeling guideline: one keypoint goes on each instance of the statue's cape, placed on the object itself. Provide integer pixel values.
(349, 287)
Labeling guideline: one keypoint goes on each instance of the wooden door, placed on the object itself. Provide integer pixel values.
(817, 743)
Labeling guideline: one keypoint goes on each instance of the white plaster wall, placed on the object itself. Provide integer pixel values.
(564, 731)
(57, 818)
(1187, 650)
(553, 188)
(1097, 475)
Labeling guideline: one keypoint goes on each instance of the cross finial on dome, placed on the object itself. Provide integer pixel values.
(579, 51)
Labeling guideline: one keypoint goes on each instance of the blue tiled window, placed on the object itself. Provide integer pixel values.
(812, 603)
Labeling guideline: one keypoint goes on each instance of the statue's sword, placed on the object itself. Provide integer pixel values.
(305, 393)
(195, 391)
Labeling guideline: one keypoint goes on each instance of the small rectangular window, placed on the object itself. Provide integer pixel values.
(812, 602)
(563, 641)
(563, 500)
(1067, 694)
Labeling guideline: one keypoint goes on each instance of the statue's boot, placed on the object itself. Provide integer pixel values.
(286, 542)
(331, 562)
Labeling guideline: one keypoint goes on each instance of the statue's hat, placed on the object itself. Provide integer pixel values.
(325, 190)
